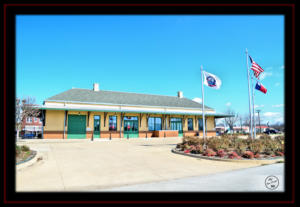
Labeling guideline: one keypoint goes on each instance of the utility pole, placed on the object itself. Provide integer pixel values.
(241, 124)
(258, 120)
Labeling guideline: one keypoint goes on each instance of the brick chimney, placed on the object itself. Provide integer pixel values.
(96, 87)
(180, 94)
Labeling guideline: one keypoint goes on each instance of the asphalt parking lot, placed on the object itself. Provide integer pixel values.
(79, 165)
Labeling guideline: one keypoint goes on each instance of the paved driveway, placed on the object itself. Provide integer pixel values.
(245, 180)
(76, 165)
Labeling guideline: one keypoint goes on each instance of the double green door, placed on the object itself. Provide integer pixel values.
(176, 124)
(76, 126)
(131, 127)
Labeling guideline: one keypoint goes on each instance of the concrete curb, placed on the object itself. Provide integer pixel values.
(262, 162)
(28, 163)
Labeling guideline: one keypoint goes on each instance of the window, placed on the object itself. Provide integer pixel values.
(154, 123)
(28, 120)
(190, 124)
(175, 119)
(200, 124)
(35, 119)
(112, 123)
(131, 118)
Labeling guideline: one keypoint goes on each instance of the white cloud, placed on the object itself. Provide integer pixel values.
(228, 104)
(277, 84)
(282, 67)
(256, 106)
(273, 117)
(263, 75)
(199, 100)
(271, 114)
(277, 105)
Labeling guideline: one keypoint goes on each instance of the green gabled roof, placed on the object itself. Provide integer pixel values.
(124, 98)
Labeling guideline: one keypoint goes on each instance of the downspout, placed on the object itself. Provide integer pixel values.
(121, 121)
(64, 125)
(65, 119)
(44, 122)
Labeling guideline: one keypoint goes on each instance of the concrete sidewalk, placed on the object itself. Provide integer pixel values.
(85, 165)
(243, 180)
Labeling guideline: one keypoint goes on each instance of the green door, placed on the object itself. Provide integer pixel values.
(131, 127)
(76, 126)
(176, 124)
(97, 122)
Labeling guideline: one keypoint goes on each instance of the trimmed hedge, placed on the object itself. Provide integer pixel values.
(233, 147)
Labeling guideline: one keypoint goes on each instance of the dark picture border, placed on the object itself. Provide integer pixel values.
(9, 81)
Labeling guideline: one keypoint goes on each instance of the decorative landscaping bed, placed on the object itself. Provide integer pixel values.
(230, 147)
(24, 154)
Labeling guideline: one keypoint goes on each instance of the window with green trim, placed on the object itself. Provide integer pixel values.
(154, 123)
(190, 124)
(200, 124)
(112, 123)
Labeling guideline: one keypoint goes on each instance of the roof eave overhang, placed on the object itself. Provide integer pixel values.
(100, 103)
(216, 115)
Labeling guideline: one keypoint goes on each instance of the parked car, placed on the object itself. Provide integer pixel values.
(28, 136)
(271, 131)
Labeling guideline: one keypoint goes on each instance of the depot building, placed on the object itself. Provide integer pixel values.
(95, 113)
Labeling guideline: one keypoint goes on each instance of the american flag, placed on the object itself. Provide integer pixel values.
(256, 68)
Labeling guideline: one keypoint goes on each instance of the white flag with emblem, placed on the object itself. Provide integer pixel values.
(211, 80)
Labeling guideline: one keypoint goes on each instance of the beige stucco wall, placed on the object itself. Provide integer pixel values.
(55, 120)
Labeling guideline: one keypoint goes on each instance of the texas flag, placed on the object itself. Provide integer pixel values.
(260, 87)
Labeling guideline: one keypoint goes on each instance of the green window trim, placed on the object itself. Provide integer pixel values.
(157, 125)
(200, 123)
(114, 123)
(190, 127)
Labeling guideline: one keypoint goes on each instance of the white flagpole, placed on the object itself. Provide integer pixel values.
(254, 125)
(249, 95)
(203, 114)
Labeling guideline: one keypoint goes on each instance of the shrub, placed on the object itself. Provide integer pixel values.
(279, 138)
(198, 149)
(192, 140)
(18, 150)
(248, 154)
(271, 146)
(265, 136)
(214, 143)
(256, 146)
(257, 155)
(279, 153)
(221, 153)
(187, 151)
(185, 146)
(209, 152)
(240, 146)
(233, 155)
(25, 148)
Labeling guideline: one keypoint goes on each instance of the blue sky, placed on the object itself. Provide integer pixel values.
(154, 54)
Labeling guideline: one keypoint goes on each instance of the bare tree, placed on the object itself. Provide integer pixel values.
(246, 120)
(25, 108)
(230, 121)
